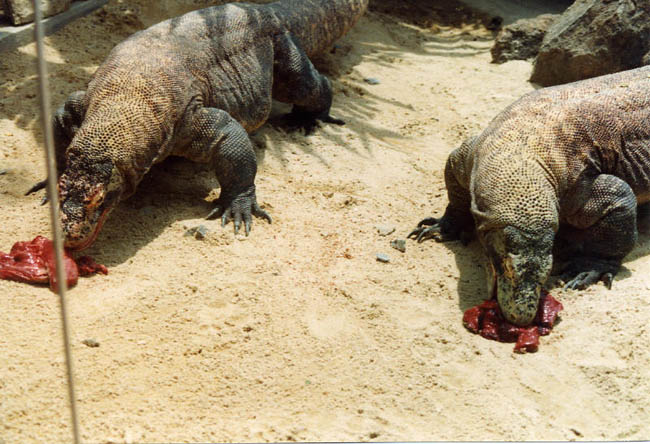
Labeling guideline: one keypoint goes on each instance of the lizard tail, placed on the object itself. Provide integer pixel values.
(319, 23)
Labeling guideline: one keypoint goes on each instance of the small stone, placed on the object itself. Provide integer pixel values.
(3, 171)
(199, 232)
(385, 230)
(399, 244)
(381, 257)
(90, 343)
(371, 81)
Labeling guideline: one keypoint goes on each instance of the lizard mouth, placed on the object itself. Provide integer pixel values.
(90, 239)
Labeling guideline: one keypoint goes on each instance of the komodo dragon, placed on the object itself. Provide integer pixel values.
(193, 86)
(565, 165)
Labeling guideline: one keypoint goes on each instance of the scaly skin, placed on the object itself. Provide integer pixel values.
(193, 86)
(560, 171)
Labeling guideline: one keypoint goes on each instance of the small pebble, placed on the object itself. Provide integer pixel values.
(381, 257)
(385, 230)
(371, 81)
(199, 232)
(3, 171)
(399, 244)
(90, 343)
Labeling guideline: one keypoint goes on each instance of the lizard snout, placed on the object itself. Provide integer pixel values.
(82, 216)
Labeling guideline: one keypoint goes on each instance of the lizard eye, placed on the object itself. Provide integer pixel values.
(95, 199)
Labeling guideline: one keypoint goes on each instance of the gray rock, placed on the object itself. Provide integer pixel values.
(384, 230)
(521, 40)
(381, 257)
(90, 343)
(593, 38)
(371, 81)
(3, 171)
(199, 232)
(399, 244)
(22, 11)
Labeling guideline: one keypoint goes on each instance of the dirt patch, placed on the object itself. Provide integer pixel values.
(298, 332)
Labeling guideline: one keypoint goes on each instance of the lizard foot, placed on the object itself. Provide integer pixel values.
(586, 278)
(307, 122)
(581, 274)
(240, 208)
(435, 228)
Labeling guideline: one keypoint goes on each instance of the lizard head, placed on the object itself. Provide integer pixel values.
(516, 210)
(519, 264)
(88, 192)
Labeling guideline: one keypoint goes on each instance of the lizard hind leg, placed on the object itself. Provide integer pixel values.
(297, 81)
(221, 141)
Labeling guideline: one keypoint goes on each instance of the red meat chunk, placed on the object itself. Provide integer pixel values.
(487, 320)
(472, 319)
(88, 266)
(528, 340)
(33, 262)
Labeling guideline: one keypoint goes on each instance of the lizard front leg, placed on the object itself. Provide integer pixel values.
(297, 81)
(603, 230)
(65, 123)
(221, 141)
(457, 223)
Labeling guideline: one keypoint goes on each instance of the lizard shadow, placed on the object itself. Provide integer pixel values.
(472, 278)
(174, 190)
(471, 262)
(409, 28)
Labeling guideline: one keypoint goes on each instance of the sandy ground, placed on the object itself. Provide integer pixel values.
(297, 332)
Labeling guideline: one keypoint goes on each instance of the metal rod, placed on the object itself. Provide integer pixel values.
(46, 121)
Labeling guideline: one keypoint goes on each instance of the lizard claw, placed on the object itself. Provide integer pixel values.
(329, 119)
(582, 280)
(428, 228)
(586, 278)
(37, 186)
(428, 221)
(439, 230)
(299, 119)
(240, 209)
(421, 233)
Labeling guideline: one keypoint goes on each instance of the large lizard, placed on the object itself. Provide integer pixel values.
(193, 86)
(566, 165)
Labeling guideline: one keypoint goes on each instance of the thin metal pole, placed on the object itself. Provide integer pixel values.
(46, 121)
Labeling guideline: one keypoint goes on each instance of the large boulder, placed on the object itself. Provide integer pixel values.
(22, 11)
(592, 38)
(521, 40)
